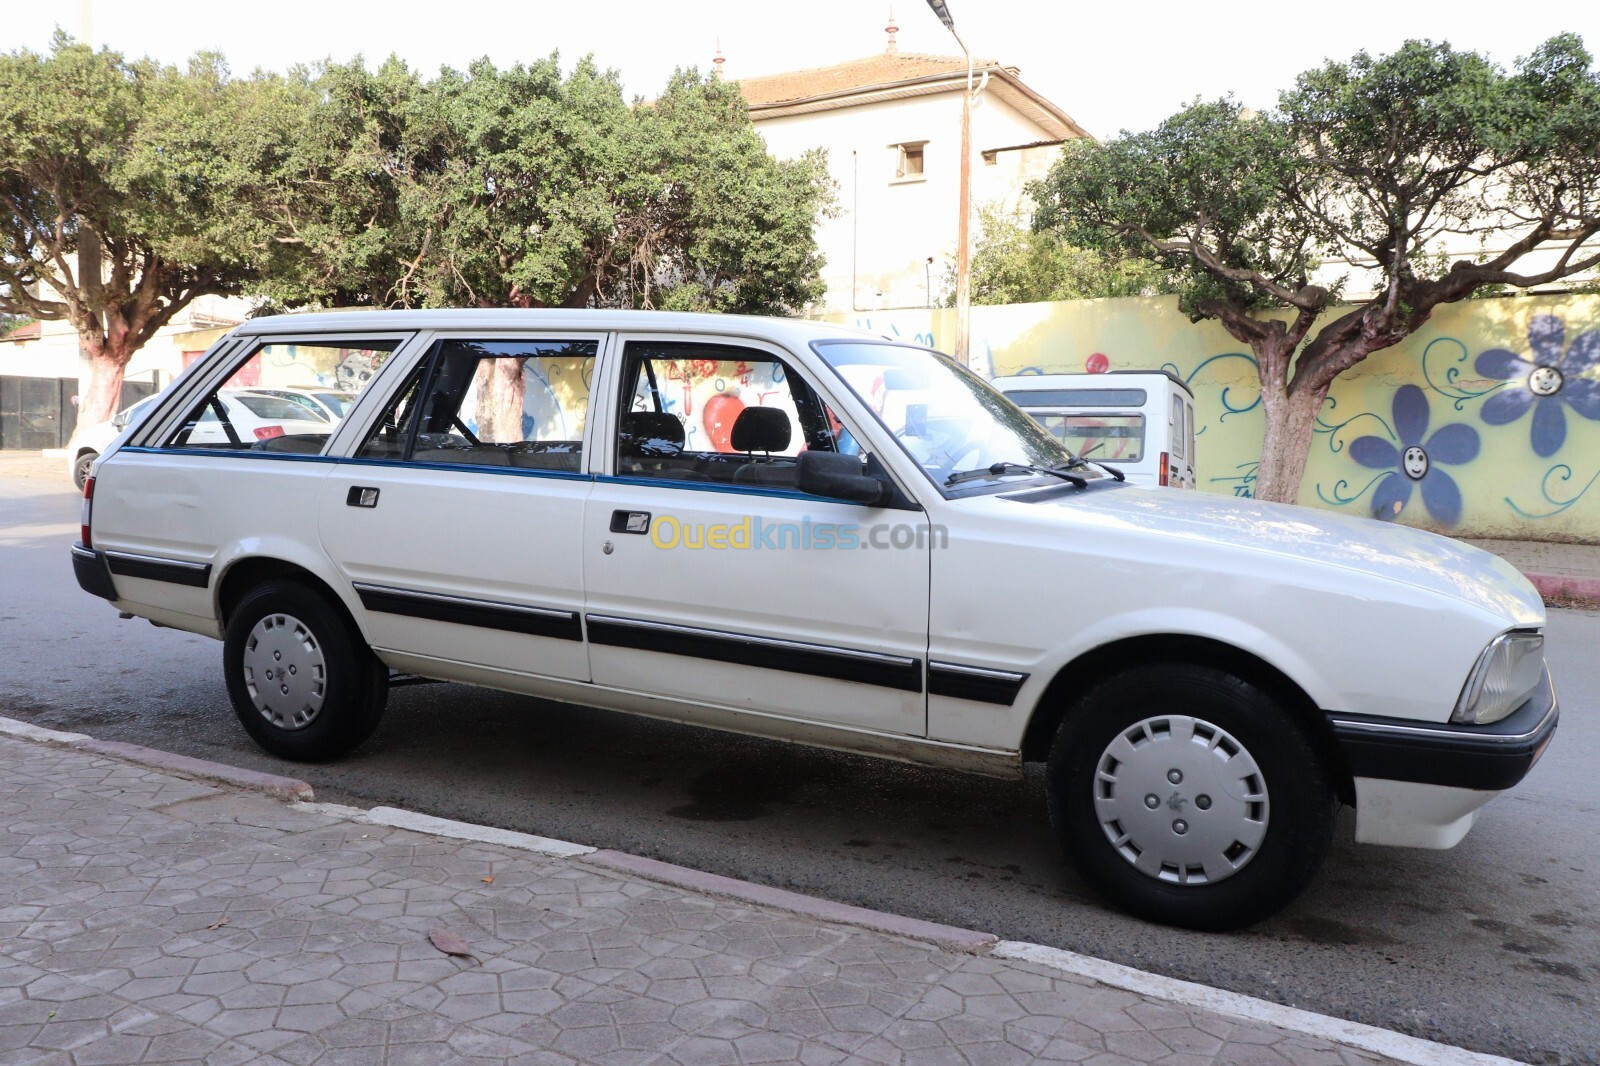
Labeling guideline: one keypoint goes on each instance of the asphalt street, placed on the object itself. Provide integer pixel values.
(1494, 945)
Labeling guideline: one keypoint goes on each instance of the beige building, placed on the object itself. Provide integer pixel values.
(891, 126)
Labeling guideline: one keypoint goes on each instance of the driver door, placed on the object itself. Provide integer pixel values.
(710, 578)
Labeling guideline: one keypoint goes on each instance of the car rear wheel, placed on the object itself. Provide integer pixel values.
(304, 684)
(1189, 796)
(80, 468)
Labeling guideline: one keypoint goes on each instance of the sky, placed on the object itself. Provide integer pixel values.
(1112, 66)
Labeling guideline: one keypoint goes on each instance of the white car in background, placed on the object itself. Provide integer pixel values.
(96, 439)
(331, 403)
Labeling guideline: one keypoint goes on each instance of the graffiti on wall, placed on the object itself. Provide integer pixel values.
(1486, 422)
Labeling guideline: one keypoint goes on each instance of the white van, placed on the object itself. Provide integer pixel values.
(1117, 419)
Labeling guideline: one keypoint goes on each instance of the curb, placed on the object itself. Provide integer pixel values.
(284, 788)
(1559, 586)
(1386, 1042)
(949, 937)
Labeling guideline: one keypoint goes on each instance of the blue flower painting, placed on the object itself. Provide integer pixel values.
(1415, 462)
(1546, 380)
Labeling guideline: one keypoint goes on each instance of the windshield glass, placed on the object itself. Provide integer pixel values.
(946, 418)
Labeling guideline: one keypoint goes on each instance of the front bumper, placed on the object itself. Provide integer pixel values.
(1484, 758)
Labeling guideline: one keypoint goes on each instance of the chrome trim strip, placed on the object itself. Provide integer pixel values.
(134, 557)
(770, 642)
(1352, 726)
(389, 590)
(84, 553)
(978, 671)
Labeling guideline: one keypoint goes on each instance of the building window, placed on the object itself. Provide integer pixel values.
(910, 161)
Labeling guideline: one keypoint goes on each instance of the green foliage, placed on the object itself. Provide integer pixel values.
(1012, 263)
(529, 188)
(128, 189)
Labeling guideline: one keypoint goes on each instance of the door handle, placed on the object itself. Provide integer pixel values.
(630, 522)
(361, 496)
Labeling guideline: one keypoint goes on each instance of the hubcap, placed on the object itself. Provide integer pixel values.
(284, 671)
(1181, 800)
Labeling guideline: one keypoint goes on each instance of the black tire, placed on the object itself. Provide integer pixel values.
(337, 702)
(1296, 807)
(80, 468)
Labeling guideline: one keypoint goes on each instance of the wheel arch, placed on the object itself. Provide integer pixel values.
(1129, 653)
(248, 572)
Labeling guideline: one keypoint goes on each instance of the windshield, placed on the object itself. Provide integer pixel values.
(946, 417)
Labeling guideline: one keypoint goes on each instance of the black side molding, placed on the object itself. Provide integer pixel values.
(195, 575)
(976, 683)
(1488, 758)
(89, 567)
(842, 664)
(512, 618)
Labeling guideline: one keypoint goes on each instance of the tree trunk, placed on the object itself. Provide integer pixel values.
(500, 398)
(1291, 420)
(100, 401)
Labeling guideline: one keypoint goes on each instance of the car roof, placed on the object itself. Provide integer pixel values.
(791, 330)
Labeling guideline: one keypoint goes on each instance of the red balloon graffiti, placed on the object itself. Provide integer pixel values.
(719, 415)
(1097, 363)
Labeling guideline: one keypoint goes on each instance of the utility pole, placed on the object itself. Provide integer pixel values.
(963, 227)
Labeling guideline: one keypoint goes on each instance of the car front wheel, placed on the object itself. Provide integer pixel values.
(304, 684)
(1190, 796)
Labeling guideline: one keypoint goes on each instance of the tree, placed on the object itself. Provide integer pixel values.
(526, 188)
(125, 198)
(1399, 160)
(1013, 263)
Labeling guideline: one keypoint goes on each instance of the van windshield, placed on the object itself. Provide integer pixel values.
(945, 417)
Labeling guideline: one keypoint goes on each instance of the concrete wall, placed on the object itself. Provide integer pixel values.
(1506, 450)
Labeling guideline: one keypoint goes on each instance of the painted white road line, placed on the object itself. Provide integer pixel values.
(445, 827)
(1408, 1049)
(33, 732)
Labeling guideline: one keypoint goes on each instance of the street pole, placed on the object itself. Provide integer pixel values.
(963, 228)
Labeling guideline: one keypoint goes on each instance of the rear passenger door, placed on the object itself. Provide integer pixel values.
(458, 517)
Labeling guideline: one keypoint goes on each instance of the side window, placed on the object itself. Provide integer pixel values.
(492, 403)
(282, 398)
(720, 414)
(1178, 433)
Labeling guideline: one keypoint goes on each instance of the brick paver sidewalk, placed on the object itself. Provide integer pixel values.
(147, 918)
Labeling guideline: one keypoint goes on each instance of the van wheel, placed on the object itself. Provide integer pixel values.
(1188, 796)
(80, 468)
(304, 684)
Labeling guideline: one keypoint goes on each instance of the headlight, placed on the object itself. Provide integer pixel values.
(1507, 672)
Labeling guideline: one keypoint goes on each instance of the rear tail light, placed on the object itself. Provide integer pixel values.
(1165, 469)
(268, 432)
(84, 512)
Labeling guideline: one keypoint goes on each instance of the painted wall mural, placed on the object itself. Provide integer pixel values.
(1485, 423)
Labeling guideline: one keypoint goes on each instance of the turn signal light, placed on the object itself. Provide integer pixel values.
(1164, 468)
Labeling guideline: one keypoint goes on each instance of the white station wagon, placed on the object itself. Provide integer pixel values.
(814, 534)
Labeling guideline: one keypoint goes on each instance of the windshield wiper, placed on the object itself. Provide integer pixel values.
(1079, 461)
(1004, 467)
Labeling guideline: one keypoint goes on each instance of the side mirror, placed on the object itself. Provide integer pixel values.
(840, 477)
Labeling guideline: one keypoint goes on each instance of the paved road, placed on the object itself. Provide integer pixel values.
(1494, 945)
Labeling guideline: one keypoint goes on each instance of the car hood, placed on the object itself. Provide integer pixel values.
(1418, 558)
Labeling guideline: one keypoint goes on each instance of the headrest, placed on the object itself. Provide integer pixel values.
(651, 433)
(760, 429)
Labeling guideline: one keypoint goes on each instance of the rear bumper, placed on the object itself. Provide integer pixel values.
(92, 572)
(1483, 758)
